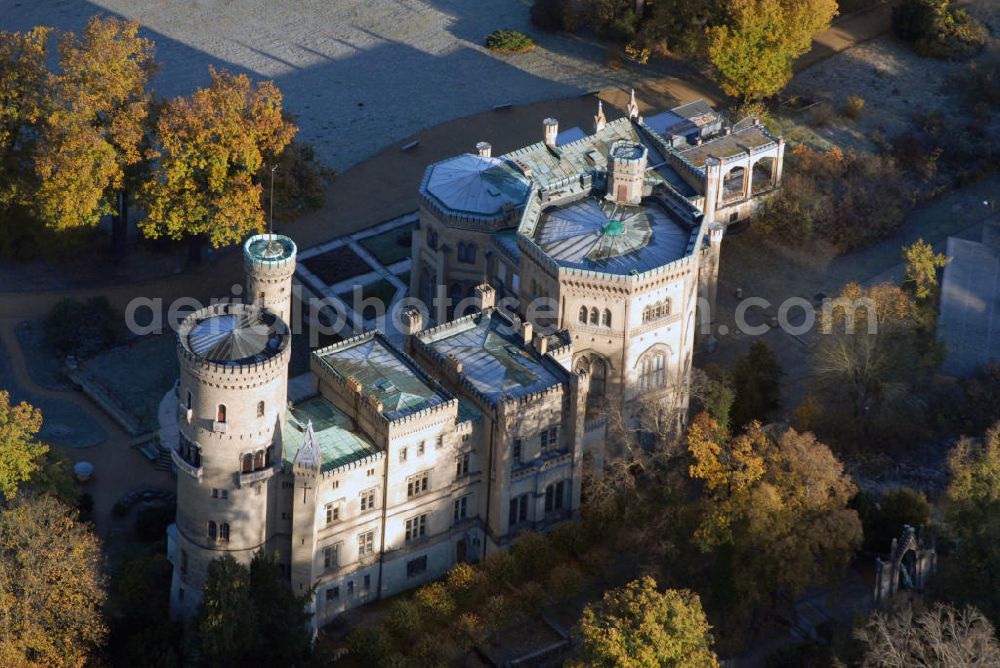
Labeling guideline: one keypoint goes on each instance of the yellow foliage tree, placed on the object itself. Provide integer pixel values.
(774, 511)
(211, 147)
(90, 152)
(638, 626)
(23, 101)
(51, 585)
(754, 50)
(20, 452)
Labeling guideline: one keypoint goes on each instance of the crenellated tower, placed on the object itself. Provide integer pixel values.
(269, 261)
(232, 396)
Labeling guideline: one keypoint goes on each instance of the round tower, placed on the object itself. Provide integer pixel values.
(626, 169)
(269, 261)
(232, 397)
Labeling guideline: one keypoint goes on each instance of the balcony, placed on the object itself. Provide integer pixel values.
(255, 476)
(183, 465)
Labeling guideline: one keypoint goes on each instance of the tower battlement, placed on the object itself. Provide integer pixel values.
(269, 262)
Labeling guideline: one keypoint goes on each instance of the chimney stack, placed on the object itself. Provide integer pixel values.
(526, 331)
(412, 320)
(551, 131)
(484, 149)
(541, 344)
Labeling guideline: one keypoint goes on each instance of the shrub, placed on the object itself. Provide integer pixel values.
(471, 629)
(821, 115)
(565, 581)
(462, 577)
(82, 329)
(937, 29)
(497, 612)
(436, 600)
(405, 620)
(499, 568)
(532, 554)
(370, 644)
(531, 598)
(853, 107)
(509, 41)
(570, 538)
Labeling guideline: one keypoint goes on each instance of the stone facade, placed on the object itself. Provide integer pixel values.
(580, 226)
(400, 463)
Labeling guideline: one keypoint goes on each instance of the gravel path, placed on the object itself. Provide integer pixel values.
(358, 75)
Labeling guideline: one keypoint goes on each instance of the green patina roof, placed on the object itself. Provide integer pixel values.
(335, 434)
(614, 228)
(384, 373)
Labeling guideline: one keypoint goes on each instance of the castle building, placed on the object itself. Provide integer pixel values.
(401, 462)
(405, 458)
(612, 237)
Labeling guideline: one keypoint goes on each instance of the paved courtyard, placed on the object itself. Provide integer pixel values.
(358, 76)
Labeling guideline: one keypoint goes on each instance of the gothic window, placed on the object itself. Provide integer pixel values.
(221, 416)
(267, 456)
(594, 316)
(211, 530)
(583, 315)
(466, 253)
(606, 318)
(432, 238)
(247, 463)
(224, 532)
(652, 371)
(258, 460)
(189, 399)
(260, 409)
(656, 310)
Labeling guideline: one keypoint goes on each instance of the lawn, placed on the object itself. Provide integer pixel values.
(337, 265)
(381, 290)
(137, 392)
(391, 246)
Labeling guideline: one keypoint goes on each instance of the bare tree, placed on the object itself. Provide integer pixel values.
(937, 637)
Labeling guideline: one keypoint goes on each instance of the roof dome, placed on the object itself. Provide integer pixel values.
(242, 336)
(477, 185)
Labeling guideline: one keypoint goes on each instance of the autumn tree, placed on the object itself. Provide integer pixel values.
(753, 51)
(250, 615)
(210, 149)
(939, 636)
(868, 355)
(23, 102)
(973, 517)
(775, 513)
(757, 384)
(90, 154)
(922, 265)
(637, 626)
(51, 585)
(20, 452)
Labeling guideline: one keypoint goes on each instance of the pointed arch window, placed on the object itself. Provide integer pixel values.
(189, 400)
(583, 314)
(247, 463)
(224, 532)
(606, 318)
(211, 530)
(221, 415)
(260, 409)
(652, 371)
(258, 460)
(594, 316)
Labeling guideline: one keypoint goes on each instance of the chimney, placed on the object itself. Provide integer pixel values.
(412, 320)
(551, 131)
(526, 332)
(541, 344)
(485, 295)
(484, 149)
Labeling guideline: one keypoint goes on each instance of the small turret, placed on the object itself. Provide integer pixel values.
(599, 120)
(551, 131)
(626, 171)
(269, 261)
(633, 107)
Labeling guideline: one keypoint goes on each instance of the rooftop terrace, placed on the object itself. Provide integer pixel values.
(727, 146)
(493, 357)
(335, 434)
(384, 372)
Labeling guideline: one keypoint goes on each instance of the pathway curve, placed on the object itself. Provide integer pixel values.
(118, 468)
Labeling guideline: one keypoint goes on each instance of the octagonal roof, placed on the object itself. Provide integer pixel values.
(472, 184)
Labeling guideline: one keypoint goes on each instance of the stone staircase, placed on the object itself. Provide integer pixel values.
(158, 455)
